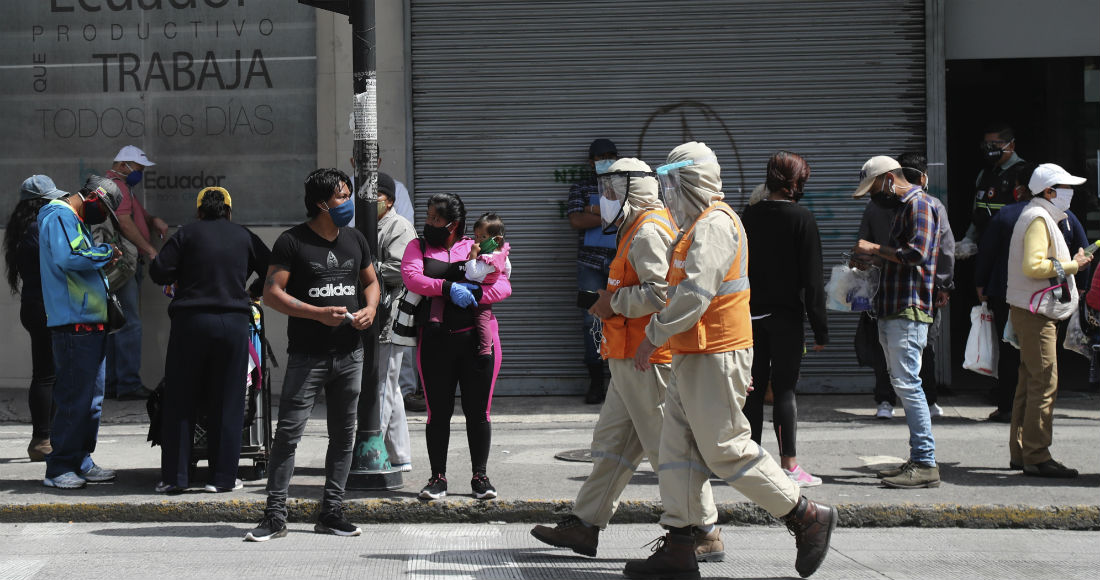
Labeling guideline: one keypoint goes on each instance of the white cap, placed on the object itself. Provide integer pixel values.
(1049, 175)
(131, 153)
(874, 167)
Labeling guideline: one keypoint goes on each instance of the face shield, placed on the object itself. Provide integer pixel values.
(669, 177)
(614, 187)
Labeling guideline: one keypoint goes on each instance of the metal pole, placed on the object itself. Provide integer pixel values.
(370, 468)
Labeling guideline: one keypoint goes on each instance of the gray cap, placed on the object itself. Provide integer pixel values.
(106, 189)
(39, 187)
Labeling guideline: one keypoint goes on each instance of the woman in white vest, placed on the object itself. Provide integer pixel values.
(1041, 291)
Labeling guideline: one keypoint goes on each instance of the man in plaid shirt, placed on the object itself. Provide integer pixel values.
(904, 307)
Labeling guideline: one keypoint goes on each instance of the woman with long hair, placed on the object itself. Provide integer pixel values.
(787, 285)
(24, 279)
(447, 349)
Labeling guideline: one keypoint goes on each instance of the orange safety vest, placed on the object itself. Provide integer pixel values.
(622, 335)
(727, 323)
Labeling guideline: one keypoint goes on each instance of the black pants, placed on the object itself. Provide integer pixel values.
(446, 361)
(1008, 359)
(40, 396)
(778, 346)
(884, 391)
(204, 370)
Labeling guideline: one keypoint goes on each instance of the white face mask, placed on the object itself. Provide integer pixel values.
(609, 210)
(1063, 198)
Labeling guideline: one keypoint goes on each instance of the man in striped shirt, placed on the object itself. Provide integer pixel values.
(904, 306)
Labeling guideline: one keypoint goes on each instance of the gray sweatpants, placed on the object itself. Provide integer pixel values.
(395, 376)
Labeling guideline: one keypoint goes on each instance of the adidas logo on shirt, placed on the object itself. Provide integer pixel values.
(332, 290)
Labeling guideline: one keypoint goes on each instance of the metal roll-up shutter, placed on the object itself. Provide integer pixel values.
(508, 95)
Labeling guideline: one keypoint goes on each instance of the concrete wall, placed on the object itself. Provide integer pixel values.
(977, 29)
(334, 145)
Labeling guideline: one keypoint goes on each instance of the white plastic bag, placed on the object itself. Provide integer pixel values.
(851, 289)
(981, 349)
(1009, 335)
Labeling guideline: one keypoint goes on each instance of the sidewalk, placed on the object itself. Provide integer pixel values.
(838, 441)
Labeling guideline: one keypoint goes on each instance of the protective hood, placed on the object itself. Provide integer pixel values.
(642, 192)
(700, 182)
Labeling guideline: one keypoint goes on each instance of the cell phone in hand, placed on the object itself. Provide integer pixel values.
(586, 298)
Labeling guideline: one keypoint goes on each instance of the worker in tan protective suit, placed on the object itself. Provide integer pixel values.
(707, 325)
(630, 421)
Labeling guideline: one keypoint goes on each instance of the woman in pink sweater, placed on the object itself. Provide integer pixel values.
(447, 347)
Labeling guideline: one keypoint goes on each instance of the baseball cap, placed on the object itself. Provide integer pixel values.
(108, 191)
(601, 147)
(1049, 175)
(206, 190)
(874, 167)
(40, 186)
(131, 153)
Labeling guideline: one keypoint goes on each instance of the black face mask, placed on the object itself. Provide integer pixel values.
(436, 236)
(94, 213)
(992, 153)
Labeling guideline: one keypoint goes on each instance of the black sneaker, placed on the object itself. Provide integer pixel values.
(334, 522)
(1050, 468)
(482, 488)
(269, 528)
(436, 488)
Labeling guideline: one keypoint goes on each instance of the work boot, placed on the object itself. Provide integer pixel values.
(673, 558)
(596, 389)
(914, 476)
(709, 547)
(570, 533)
(895, 471)
(812, 525)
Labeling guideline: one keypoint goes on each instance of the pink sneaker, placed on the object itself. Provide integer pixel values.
(802, 478)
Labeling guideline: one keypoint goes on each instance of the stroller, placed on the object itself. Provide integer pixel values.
(257, 434)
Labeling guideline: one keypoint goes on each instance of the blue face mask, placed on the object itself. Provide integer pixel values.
(604, 165)
(134, 178)
(341, 215)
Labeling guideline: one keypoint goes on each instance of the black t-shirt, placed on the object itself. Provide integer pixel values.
(322, 273)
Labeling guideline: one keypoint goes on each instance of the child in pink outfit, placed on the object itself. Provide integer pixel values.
(485, 268)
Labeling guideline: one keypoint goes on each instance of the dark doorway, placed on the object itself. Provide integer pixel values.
(1049, 104)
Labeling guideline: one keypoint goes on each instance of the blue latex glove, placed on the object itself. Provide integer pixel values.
(461, 296)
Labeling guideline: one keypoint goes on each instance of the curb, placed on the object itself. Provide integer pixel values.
(467, 511)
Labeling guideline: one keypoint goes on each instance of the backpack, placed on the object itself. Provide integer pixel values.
(123, 270)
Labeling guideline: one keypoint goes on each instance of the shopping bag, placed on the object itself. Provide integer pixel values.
(851, 289)
(1076, 339)
(981, 349)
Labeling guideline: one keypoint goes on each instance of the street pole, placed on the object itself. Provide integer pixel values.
(370, 466)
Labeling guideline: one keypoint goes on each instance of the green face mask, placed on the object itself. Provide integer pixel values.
(381, 207)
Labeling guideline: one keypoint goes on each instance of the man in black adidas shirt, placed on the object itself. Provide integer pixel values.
(322, 277)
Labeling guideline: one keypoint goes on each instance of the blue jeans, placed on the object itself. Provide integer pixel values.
(306, 375)
(79, 358)
(124, 346)
(903, 342)
(591, 279)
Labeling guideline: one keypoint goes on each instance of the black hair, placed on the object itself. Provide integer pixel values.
(213, 206)
(912, 166)
(24, 214)
(1003, 130)
(321, 185)
(494, 226)
(449, 206)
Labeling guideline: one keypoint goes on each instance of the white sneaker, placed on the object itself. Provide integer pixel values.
(935, 410)
(885, 411)
(210, 488)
